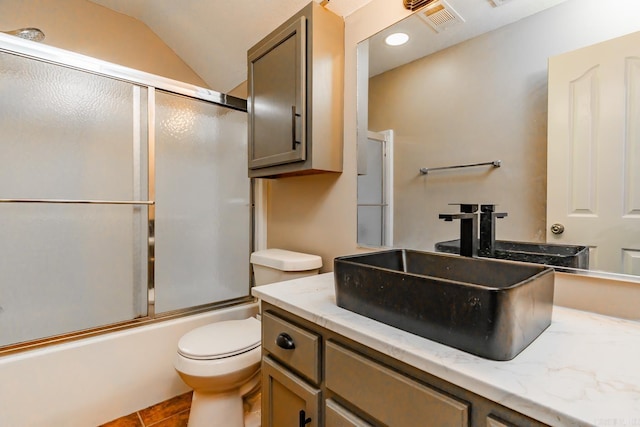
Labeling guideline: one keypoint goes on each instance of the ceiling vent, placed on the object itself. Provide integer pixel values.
(439, 15)
(497, 3)
(416, 4)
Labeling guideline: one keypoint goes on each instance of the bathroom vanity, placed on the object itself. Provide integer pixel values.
(323, 365)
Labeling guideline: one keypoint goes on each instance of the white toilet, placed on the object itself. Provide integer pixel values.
(221, 361)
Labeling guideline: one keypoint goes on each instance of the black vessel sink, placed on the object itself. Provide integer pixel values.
(539, 253)
(490, 308)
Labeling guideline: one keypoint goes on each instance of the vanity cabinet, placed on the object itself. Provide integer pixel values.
(313, 375)
(369, 385)
(290, 401)
(290, 374)
(295, 96)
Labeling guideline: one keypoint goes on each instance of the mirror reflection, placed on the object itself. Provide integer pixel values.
(542, 95)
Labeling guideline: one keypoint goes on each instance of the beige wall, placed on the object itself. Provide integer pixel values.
(239, 91)
(478, 101)
(317, 213)
(87, 28)
(608, 296)
(481, 100)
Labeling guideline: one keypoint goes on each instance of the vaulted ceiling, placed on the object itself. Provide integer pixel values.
(213, 36)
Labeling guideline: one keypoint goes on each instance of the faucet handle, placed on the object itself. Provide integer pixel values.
(491, 209)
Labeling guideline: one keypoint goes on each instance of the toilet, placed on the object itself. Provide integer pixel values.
(221, 361)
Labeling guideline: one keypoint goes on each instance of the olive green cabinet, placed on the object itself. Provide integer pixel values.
(295, 96)
(315, 377)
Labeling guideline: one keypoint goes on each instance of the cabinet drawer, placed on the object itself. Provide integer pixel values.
(495, 422)
(369, 386)
(337, 416)
(303, 357)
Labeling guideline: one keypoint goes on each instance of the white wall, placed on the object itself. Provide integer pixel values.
(95, 380)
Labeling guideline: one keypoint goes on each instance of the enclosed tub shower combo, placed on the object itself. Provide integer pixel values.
(123, 197)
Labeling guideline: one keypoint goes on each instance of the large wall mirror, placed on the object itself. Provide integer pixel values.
(474, 86)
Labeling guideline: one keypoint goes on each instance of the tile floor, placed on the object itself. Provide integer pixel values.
(170, 413)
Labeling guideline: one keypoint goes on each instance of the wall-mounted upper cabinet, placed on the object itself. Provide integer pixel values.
(295, 105)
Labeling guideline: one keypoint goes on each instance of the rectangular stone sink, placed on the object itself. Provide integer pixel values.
(489, 308)
(571, 256)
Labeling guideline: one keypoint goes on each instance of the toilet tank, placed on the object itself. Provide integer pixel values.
(278, 265)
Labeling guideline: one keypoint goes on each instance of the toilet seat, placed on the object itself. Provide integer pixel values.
(220, 340)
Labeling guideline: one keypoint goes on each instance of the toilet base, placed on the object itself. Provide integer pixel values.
(252, 408)
(216, 410)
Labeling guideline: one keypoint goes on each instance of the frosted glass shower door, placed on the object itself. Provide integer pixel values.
(69, 135)
(202, 224)
(371, 196)
(375, 191)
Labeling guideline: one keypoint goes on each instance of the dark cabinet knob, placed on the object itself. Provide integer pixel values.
(285, 341)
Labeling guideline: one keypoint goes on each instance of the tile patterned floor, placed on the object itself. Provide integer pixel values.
(170, 413)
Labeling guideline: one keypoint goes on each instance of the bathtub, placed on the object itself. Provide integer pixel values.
(95, 380)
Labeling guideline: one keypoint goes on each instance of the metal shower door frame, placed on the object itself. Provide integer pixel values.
(48, 54)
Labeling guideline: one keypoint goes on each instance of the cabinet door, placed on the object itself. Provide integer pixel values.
(287, 401)
(277, 99)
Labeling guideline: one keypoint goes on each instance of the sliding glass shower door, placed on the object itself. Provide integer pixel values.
(98, 172)
(69, 136)
(202, 203)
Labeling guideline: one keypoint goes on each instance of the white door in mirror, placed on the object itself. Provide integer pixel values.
(594, 144)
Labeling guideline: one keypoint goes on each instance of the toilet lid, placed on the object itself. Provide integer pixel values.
(284, 260)
(221, 339)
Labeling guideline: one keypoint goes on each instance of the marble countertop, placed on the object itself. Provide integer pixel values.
(583, 370)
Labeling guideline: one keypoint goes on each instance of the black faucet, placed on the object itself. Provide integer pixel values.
(469, 244)
(488, 217)
(468, 217)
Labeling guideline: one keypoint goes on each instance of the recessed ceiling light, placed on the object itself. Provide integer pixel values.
(396, 39)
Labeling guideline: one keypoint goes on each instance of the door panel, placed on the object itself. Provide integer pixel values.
(593, 176)
(375, 191)
(276, 99)
(287, 400)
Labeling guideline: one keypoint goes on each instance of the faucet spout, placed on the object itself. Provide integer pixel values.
(468, 228)
(451, 217)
